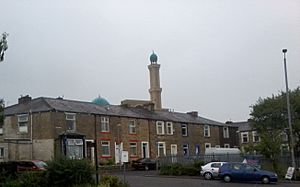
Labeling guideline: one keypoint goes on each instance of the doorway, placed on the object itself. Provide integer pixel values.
(145, 150)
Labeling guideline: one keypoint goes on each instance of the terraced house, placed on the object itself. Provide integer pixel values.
(43, 128)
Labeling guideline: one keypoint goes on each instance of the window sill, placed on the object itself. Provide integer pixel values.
(103, 156)
(104, 132)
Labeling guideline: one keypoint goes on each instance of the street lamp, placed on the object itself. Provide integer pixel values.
(288, 109)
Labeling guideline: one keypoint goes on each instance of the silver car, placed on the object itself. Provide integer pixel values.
(211, 170)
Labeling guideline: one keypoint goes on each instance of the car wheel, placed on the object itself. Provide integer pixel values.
(207, 176)
(146, 168)
(227, 178)
(265, 180)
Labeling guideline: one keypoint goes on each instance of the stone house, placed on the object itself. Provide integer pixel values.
(43, 128)
(249, 137)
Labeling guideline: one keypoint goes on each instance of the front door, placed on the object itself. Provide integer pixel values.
(90, 150)
(145, 150)
(174, 152)
(118, 151)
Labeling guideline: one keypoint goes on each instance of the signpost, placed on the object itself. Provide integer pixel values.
(124, 161)
(289, 173)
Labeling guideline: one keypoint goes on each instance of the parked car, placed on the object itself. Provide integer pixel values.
(14, 167)
(144, 163)
(245, 172)
(211, 170)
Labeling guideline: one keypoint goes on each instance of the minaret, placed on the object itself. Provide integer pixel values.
(155, 89)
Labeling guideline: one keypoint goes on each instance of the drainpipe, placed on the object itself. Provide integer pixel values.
(149, 138)
(96, 151)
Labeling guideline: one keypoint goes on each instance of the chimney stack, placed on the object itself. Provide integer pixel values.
(24, 99)
(193, 113)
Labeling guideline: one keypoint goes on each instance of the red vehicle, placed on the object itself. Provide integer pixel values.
(14, 167)
(33, 165)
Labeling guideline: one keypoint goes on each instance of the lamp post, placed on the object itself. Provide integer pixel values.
(288, 109)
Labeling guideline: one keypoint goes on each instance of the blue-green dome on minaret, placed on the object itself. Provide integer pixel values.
(100, 101)
(153, 57)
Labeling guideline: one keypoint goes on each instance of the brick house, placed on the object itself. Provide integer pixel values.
(43, 128)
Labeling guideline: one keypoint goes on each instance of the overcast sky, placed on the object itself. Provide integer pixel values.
(217, 56)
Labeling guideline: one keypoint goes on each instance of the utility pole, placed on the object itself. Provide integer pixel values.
(289, 110)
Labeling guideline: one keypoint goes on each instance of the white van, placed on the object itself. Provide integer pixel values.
(222, 154)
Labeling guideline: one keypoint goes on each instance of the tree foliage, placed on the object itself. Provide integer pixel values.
(270, 119)
(1, 112)
(3, 45)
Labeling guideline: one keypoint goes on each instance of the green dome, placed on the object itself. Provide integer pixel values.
(100, 101)
(153, 57)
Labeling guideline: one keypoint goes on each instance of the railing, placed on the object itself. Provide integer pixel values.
(284, 161)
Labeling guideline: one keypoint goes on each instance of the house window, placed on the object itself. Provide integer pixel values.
(225, 132)
(132, 127)
(160, 129)
(217, 146)
(185, 150)
(226, 145)
(23, 123)
(133, 149)
(207, 145)
(161, 148)
(1, 152)
(71, 121)
(184, 129)
(255, 136)
(105, 147)
(74, 148)
(206, 131)
(245, 137)
(104, 124)
(169, 128)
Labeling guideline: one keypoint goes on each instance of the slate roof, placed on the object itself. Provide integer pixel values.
(242, 126)
(43, 104)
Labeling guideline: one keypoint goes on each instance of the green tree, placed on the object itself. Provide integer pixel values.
(1, 112)
(269, 118)
(3, 46)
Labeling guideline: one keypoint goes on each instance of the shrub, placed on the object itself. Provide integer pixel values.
(173, 169)
(112, 181)
(32, 179)
(107, 162)
(12, 183)
(67, 172)
(178, 169)
(191, 171)
(198, 164)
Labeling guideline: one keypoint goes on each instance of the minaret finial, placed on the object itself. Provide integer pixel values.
(153, 58)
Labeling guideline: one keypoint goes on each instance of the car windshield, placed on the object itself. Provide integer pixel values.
(40, 164)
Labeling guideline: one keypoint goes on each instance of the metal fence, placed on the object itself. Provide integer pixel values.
(283, 161)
